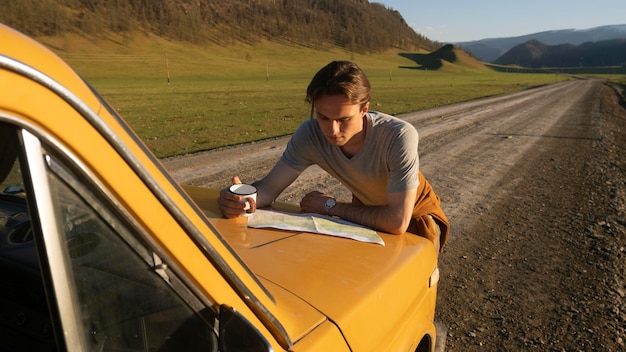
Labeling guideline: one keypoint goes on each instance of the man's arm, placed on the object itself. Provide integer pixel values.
(272, 185)
(393, 217)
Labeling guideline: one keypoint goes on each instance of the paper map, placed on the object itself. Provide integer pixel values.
(314, 223)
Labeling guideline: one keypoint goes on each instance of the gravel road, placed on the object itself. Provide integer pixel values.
(534, 185)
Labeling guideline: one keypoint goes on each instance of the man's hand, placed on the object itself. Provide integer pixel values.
(314, 202)
(230, 204)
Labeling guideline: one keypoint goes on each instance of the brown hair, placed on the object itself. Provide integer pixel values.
(340, 77)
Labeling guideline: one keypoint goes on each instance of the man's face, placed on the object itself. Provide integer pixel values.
(340, 120)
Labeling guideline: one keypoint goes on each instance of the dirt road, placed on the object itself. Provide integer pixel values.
(534, 185)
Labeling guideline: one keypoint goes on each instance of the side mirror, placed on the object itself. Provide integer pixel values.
(237, 334)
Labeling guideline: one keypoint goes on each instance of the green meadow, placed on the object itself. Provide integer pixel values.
(183, 99)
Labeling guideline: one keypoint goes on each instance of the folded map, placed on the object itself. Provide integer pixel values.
(314, 223)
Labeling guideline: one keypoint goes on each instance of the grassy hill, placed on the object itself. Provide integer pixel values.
(183, 97)
(356, 25)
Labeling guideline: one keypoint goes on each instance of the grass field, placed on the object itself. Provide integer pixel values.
(184, 99)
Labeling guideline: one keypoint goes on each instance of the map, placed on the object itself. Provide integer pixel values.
(314, 223)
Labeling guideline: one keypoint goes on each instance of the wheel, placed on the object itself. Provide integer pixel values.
(442, 334)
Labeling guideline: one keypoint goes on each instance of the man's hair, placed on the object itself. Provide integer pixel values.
(340, 77)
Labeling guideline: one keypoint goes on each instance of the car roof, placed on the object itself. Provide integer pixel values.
(26, 50)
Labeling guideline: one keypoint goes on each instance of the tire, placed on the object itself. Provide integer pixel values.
(442, 334)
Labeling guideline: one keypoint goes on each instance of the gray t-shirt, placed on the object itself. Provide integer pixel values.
(387, 162)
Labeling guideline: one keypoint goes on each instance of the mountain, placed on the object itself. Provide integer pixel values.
(535, 54)
(488, 50)
(447, 57)
(356, 25)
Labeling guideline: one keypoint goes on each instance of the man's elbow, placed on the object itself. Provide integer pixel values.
(399, 227)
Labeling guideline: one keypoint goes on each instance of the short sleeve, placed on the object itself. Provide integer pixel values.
(404, 160)
(299, 150)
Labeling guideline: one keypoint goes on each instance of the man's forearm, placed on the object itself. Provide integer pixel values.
(381, 218)
(265, 196)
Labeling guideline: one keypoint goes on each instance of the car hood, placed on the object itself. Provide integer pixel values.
(358, 286)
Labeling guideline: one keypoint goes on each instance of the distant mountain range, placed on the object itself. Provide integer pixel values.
(489, 50)
(535, 54)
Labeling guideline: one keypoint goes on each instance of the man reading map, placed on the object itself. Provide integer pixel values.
(374, 155)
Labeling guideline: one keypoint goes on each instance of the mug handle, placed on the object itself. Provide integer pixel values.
(252, 204)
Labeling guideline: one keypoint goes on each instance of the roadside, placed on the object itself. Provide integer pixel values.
(543, 266)
(534, 186)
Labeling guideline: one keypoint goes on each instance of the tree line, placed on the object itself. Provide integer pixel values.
(356, 25)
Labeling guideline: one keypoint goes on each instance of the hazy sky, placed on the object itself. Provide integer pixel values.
(465, 20)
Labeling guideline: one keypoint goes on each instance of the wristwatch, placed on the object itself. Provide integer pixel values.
(329, 204)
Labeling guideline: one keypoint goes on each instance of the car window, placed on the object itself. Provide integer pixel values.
(125, 292)
(125, 297)
(25, 323)
(10, 175)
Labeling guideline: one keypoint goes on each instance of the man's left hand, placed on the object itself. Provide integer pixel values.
(314, 202)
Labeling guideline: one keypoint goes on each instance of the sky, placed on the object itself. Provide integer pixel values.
(454, 21)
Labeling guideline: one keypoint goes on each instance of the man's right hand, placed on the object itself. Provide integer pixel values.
(230, 204)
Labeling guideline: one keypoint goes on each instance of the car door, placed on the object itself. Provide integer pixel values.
(82, 274)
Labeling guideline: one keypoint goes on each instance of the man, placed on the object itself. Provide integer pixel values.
(374, 155)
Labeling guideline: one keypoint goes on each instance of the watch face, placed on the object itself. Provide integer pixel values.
(330, 203)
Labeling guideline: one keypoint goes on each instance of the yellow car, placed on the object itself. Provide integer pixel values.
(102, 250)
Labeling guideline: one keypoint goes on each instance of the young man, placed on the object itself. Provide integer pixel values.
(374, 155)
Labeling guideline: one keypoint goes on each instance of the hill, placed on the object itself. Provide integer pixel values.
(312, 23)
(535, 54)
(488, 50)
(448, 56)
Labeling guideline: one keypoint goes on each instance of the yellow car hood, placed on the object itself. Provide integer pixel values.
(358, 286)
